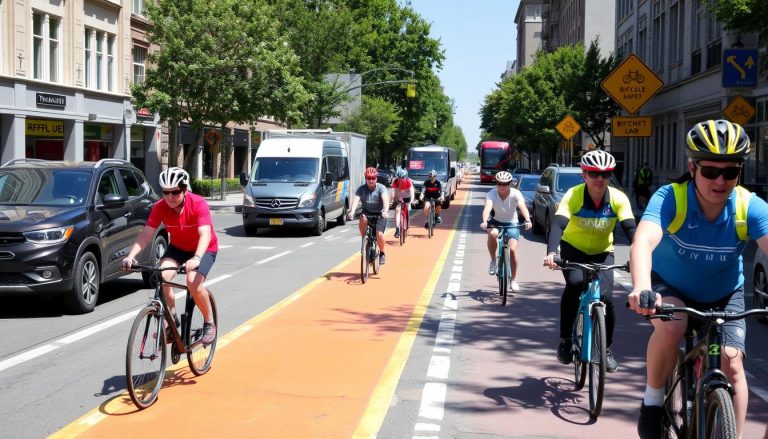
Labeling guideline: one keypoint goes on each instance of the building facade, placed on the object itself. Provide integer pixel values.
(529, 21)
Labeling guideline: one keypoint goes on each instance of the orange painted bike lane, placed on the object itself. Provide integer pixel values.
(323, 363)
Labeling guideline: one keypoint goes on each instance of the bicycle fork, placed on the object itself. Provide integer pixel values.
(588, 300)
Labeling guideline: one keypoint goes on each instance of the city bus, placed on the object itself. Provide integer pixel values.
(495, 156)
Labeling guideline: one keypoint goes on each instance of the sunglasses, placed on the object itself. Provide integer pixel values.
(502, 184)
(605, 174)
(370, 179)
(174, 192)
(712, 172)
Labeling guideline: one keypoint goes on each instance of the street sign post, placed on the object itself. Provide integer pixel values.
(632, 84)
(739, 111)
(568, 127)
(632, 126)
(740, 68)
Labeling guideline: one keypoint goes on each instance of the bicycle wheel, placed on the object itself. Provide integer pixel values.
(145, 357)
(501, 275)
(597, 362)
(376, 262)
(579, 368)
(404, 229)
(675, 424)
(200, 356)
(402, 224)
(364, 252)
(431, 222)
(720, 418)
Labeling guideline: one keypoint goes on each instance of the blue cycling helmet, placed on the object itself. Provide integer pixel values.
(401, 173)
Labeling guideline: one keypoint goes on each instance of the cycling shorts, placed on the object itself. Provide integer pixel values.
(734, 331)
(407, 200)
(509, 233)
(381, 222)
(180, 257)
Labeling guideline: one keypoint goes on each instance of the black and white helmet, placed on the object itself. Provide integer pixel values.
(503, 177)
(598, 160)
(173, 177)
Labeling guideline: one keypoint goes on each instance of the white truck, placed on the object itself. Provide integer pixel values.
(302, 178)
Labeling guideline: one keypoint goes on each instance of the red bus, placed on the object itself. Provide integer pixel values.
(495, 156)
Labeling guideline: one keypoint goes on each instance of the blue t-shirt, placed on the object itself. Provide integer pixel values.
(702, 259)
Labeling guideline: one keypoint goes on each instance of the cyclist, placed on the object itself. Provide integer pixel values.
(403, 191)
(504, 201)
(375, 201)
(432, 192)
(193, 242)
(698, 264)
(583, 227)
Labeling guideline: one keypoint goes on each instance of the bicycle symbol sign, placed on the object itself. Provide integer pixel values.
(632, 84)
(568, 127)
(739, 111)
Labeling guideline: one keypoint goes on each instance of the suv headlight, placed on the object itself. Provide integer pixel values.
(50, 236)
(307, 200)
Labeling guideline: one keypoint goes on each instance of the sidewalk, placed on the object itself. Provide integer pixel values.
(232, 203)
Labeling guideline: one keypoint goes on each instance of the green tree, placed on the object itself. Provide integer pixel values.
(217, 61)
(453, 137)
(742, 15)
(378, 119)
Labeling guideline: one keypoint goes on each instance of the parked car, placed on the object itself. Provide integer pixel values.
(554, 183)
(385, 177)
(526, 183)
(759, 276)
(65, 227)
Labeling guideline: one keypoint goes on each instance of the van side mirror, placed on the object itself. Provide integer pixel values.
(453, 172)
(328, 179)
(243, 179)
(543, 188)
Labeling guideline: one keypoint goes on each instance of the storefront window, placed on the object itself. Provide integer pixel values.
(98, 142)
(44, 139)
(137, 147)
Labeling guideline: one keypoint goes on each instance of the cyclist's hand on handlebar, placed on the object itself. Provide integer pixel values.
(644, 302)
(549, 261)
(128, 263)
(385, 214)
(191, 265)
(528, 225)
(484, 225)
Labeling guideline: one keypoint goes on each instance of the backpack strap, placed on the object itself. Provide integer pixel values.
(681, 207)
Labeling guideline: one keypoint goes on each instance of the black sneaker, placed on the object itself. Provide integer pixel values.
(382, 259)
(610, 363)
(426, 225)
(439, 219)
(649, 423)
(397, 232)
(564, 354)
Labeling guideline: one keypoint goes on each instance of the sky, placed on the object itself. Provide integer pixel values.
(478, 37)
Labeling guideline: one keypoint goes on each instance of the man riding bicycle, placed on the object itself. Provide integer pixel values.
(193, 243)
(688, 250)
(504, 201)
(585, 220)
(402, 191)
(432, 192)
(375, 199)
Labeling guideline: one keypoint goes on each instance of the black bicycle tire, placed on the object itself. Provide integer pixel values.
(131, 386)
(675, 422)
(404, 229)
(402, 224)
(431, 222)
(719, 398)
(597, 363)
(364, 259)
(191, 351)
(579, 368)
(376, 258)
(501, 274)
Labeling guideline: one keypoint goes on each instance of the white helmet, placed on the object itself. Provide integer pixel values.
(503, 177)
(598, 160)
(173, 177)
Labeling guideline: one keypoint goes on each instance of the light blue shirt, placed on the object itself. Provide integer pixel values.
(702, 259)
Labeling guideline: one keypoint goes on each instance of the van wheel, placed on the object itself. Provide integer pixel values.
(158, 249)
(447, 203)
(320, 224)
(250, 229)
(342, 219)
(86, 282)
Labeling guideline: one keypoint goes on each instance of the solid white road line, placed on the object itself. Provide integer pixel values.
(273, 257)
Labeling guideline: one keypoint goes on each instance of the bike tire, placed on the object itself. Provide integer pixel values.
(501, 275)
(675, 423)
(431, 223)
(376, 258)
(403, 222)
(720, 417)
(364, 259)
(144, 376)
(597, 362)
(579, 368)
(200, 356)
(404, 229)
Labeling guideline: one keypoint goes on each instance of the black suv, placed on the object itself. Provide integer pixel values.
(65, 227)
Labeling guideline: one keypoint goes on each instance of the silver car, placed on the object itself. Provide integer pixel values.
(759, 277)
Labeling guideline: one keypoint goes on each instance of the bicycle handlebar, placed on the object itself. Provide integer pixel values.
(665, 312)
(589, 266)
(152, 269)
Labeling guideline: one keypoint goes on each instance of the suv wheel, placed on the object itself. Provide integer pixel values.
(87, 280)
(158, 249)
(320, 224)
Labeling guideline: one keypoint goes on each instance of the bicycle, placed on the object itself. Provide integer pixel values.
(589, 345)
(431, 221)
(146, 355)
(369, 249)
(698, 397)
(503, 267)
(404, 220)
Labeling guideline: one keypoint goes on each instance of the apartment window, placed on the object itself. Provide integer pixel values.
(673, 35)
(100, 64)
(672, 149)
(46, 47)
(139, 66)
(658, 140)
(658, 35)
(642, 36)
(714, 41)
(138, 7)
(625, 44)
(625, 8)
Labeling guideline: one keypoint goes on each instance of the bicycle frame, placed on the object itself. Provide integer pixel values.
(589, 298)
(159, 302)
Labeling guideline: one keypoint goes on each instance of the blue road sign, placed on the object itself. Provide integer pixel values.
(740, 68)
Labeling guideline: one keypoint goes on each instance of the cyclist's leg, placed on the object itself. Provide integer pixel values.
(195, 285)
(381, 226)
(732, 358)
(606, 291)
(665, 340)
(426, 207)
(173, 257)
(362, 224)
(574, 285)
(398, 206)
(438, 209)
(513, 236)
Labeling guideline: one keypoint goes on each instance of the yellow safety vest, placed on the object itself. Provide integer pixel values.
(681, 206)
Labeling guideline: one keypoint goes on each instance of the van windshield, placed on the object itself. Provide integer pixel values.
(285, 170)
(421, 162)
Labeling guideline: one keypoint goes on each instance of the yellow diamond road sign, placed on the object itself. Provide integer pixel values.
(568, 127)
(739, 111)
(632, 84)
